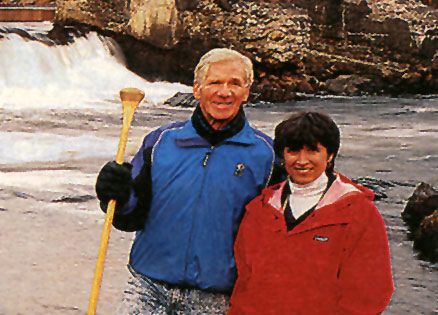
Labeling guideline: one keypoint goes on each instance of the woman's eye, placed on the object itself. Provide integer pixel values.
(289, 150)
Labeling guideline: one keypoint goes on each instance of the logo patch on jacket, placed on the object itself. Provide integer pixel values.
(321, 238)
(239, 169)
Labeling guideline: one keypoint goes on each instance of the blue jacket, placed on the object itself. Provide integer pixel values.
(197, 201)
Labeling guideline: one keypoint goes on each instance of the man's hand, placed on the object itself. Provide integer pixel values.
(114, 182)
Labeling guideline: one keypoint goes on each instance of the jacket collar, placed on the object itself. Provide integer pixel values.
(341, 193)
(188, 137)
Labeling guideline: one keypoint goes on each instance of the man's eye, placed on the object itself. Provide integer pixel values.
(237, 83)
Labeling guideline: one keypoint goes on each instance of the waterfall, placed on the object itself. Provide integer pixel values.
(87, 73)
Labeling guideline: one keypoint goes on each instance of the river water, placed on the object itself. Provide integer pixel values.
(58, 104)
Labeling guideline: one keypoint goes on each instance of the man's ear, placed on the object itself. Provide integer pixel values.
(196, 90)
(245, 97)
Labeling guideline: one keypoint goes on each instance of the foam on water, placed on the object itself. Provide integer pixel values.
(84, 74)
(23, 147)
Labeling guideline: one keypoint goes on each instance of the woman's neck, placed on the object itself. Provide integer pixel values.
(315, 187)
(305, 197)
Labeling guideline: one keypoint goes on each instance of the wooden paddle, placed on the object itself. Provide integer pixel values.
(130, 97)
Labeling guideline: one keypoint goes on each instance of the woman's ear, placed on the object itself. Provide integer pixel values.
(330, 158)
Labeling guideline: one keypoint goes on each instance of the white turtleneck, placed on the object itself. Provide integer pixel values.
(304, 197)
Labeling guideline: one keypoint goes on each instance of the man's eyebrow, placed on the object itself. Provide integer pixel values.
(237, 79)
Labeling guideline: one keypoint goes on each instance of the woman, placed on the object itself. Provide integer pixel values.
(315, 243)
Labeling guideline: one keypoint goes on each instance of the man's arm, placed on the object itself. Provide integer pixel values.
(134, 213)
(133, 192)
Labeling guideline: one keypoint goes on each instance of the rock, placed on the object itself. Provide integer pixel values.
(378, 186)
(346, 84)
(306, 87)
(224, 4)
(432, 3)
(426, 237)
(75, 199)
(28, 2)
(421, 215)
(182, 100)
(155, 21)
(350, 47)
(22, 195)
(183, 5)
(429, 44)
(423, 202)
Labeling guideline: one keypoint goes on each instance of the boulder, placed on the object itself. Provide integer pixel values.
(426, 237)
(423, 202)
(421, 215)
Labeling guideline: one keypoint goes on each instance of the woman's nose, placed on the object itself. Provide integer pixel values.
(302, 157)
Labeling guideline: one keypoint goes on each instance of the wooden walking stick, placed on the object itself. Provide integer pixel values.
(130, 97)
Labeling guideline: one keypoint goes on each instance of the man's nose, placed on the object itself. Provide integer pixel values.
(224, 90)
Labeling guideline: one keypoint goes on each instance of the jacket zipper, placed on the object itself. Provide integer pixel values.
(189, 249)
(207, 156)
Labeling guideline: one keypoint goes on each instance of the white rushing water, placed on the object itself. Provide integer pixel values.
(84, 74)
(24, 147)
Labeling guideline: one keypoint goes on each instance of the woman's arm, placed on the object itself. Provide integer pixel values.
(365, 274)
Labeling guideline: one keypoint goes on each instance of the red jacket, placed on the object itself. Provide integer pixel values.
(334, 262)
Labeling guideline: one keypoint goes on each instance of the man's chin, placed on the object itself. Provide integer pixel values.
(223, 115)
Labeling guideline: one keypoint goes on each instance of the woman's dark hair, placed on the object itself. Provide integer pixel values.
(308, 129)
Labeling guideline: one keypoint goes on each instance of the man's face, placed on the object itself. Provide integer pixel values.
(222, 92)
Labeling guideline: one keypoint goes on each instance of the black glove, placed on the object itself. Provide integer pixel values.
(114, 182)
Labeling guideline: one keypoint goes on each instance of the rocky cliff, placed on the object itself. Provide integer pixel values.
(27, 3)
(345, 47)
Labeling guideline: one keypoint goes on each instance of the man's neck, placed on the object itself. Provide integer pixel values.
(216, 124)
(217, 130)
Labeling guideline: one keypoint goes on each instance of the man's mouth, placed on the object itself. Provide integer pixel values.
(222, 103)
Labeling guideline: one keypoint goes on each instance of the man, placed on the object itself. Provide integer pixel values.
(186, 193)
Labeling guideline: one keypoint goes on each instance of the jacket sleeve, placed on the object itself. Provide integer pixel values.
(242, 252)
(131, 217)
(365, 274)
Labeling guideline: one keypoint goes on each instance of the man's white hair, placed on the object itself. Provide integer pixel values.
(223, 54)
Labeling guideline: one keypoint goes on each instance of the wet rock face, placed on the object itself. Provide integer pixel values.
(421, 215)
(297, 46)
(27, 2)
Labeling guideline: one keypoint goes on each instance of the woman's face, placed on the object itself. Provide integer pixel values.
(306, 165)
